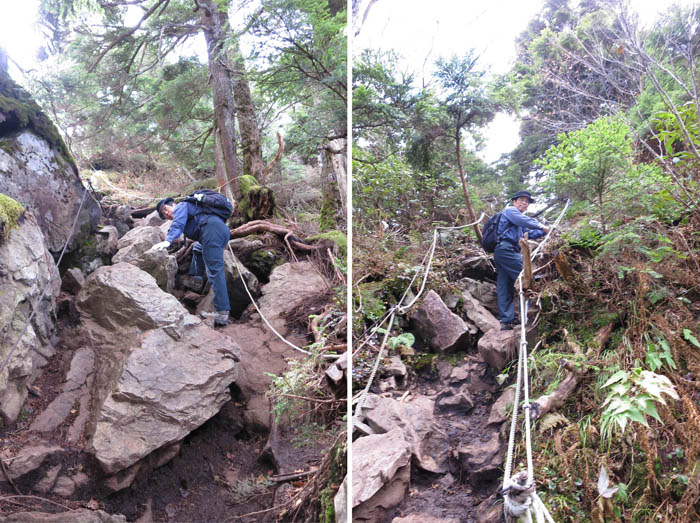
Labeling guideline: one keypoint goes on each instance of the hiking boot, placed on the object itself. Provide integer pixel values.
(506, 326)
(220, 317)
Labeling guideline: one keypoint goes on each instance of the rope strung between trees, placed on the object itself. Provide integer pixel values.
(41, 297)
(245, 286)
(520, 496)
(401, 309)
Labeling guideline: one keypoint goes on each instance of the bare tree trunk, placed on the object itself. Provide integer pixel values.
(333, 183)
(470, 209)
(215, 26)
(247, 121)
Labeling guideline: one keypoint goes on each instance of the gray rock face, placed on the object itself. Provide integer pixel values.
(477, 313)
(107, 240)
(76, 385)
(159, 264)
(497, 348)
(122, 298)
(289, 285)
(81, 515)
(167, 389)
(42, 180)
(73, 281)
(136, 242)
(442, 329)
(414, 418)
(483, 459)
(483, 291)
(163, 376)
(381, 472)
(237, 295)
(26, 267)
(29, 459)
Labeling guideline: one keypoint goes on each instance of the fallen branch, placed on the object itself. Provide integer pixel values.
(601, 338)
(316, 400)
(39, 498)
(281, 478)
(556, 399)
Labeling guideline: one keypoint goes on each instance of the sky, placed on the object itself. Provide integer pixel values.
(423, 31)
(420, 31)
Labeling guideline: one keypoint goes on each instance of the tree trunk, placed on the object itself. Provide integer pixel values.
(470, 209)
(247, 121)
(333, 184)
(215, 26)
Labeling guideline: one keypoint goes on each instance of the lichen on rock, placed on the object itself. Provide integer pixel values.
(11, 213)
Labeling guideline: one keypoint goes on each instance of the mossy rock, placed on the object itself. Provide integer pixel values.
(21, 112)
(262, 262)
(257, 201)
(337, 237)
(11, 215)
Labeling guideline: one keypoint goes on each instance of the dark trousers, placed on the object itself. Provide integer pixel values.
(208, 255)
(509, 263)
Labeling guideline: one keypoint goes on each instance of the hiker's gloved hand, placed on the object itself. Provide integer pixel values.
(161, 245)
(199, 197)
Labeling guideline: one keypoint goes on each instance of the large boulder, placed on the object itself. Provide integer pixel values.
(497, 348)
(159, 373)
(290, 284)
(414, 418)
(167, 389)
(483, 291)
(381, 473)
(477, 313)
(26, 268)
(483, 460)
(37, 170)
(442, 329)
(136, 242)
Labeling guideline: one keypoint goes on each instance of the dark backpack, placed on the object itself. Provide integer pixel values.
(211, 202)
(489, 236)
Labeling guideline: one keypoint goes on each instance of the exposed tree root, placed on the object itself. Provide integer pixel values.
(556, 399)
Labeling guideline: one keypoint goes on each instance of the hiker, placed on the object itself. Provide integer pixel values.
(211, 231)
(506, 256)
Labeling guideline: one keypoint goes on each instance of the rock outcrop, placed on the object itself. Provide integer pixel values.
(26, 268)
(37, 170)
(289, 285)
(381, 473)
(160, 372)
(442, 329)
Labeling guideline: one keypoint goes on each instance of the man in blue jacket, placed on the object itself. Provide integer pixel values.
(213, 234)
(507, 258)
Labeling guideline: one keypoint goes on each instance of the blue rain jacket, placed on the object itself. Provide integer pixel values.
(514, 225)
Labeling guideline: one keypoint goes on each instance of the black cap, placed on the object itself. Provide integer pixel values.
(164, 201)
(523, 193)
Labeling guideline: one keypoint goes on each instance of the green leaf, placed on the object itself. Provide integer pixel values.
(688, 335)
(619, 375)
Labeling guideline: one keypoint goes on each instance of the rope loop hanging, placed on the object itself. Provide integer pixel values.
(519, 492)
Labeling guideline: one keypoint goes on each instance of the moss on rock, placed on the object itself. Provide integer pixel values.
(338, 237)
(21, 112)
(11, 213)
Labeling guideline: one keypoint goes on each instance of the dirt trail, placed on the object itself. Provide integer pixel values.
(458, 494)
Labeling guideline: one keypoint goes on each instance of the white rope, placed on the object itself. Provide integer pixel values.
(245, 286)
(48, 282)
(401, 309)
(535, 506)
(431, 254)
